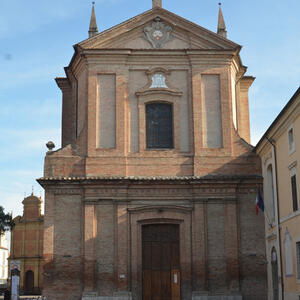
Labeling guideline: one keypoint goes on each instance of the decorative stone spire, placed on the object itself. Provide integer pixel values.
(156, 3)
(221, 23)
(93, 30)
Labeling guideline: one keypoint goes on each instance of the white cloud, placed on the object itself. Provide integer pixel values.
(33, 16)
(27, 143)
(27, 17)
(24, 76)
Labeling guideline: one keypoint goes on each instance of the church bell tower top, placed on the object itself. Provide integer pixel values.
(93, 29)
(156, 3)
(221, 23)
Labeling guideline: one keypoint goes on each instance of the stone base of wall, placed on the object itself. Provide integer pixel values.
(195, 297)
(107, 298)
(117, 296)
(291, 296)
(219, 297)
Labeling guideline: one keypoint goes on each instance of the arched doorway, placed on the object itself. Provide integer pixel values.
(270, 191)
(275, 281)
(29, 282)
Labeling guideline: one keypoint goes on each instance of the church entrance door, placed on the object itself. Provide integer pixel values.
(161, 263)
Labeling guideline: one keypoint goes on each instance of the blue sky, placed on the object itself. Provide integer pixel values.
(36, 39)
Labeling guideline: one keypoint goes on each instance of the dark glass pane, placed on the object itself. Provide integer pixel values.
(159, 125)
(294, 192)
(298, 259)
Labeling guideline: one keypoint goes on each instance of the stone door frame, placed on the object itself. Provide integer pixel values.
(160, 215)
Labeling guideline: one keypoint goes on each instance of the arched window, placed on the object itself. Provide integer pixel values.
(159, 126)
(288, 253)
(29, 282)
(275, 281)
(270, 190)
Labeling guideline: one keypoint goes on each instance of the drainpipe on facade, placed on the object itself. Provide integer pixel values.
(278, 225)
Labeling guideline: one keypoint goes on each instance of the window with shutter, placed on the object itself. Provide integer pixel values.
(275, 281)
(159, 126)
(298, 259)
(291, 140)
(288, 248)
(294, 192)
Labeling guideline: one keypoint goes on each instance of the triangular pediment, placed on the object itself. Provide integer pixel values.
(158, 29)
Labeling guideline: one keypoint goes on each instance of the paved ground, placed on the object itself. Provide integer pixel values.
(27, 297)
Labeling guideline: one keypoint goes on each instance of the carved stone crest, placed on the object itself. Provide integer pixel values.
(158, 81)
(158, 33)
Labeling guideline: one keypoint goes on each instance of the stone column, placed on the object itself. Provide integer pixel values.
(199, 248)
(231, 246)
(48, 247)
(243, 107)
(91, 113)
(197, 112)
(89, 248)
(122, 250)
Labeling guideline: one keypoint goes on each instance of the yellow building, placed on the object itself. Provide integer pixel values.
(27, 245)
(4, 252)
(279, 150)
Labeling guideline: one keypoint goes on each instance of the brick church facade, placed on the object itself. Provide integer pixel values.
(152, 194)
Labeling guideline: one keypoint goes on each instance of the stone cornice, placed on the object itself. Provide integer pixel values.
(125, 51)
(156, 91)
(168, 17)
(14, 257)
(122, 56)
(63, 83)
(170, 179)
(160, 208)
(246, 82)
(21, 220)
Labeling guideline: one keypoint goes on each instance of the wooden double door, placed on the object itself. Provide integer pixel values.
(161, 262)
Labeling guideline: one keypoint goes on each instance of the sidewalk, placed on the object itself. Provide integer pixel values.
(26, 297)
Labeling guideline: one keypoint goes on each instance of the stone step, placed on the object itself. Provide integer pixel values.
(106, 298)
(219, 297)
(198, 297)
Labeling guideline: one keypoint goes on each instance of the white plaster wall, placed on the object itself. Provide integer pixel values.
(3, 259)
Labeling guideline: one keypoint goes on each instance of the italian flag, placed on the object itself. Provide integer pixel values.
(259, 202)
